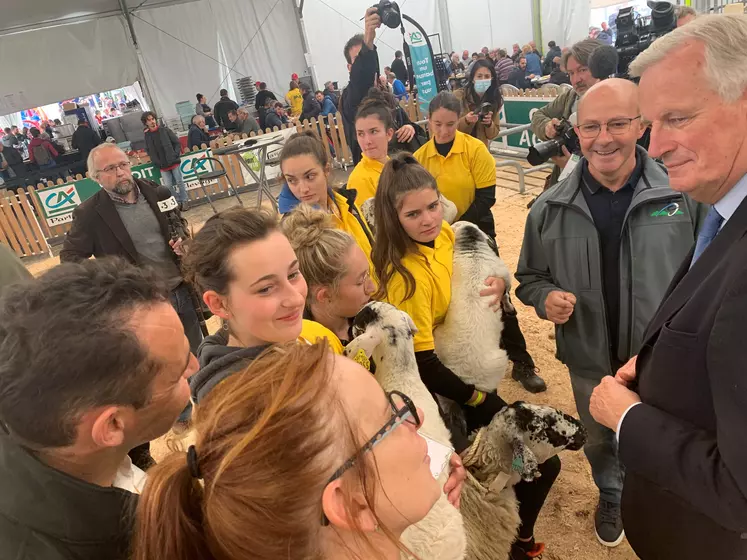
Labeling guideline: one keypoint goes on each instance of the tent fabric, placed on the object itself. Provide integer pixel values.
(221, 29)
(56, 63)
(565, 21)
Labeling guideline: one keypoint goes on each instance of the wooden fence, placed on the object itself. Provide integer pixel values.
(20, 229)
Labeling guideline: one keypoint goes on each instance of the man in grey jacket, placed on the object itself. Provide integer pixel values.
(599, 251)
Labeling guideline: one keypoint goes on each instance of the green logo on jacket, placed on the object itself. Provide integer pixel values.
(672, 209)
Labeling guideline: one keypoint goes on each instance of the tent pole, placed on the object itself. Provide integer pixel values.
(298, 10)
(537, 23)
(443, 12)
(141, 70)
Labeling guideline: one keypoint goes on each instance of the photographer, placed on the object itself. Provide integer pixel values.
(363, 65)
(481, 103)
(545, 121)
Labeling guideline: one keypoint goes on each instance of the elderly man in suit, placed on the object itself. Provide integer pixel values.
(680, 408)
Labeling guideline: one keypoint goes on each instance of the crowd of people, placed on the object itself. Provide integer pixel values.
(636, 256)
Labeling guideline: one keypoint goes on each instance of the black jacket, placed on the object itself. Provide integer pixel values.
(362, 76)
(684, 449)
(311, 107)
(219, 361)
(196, 137)
(85, 140)
(400, 70)
(48, 515)
(163, 147)
(220, 111)
(98, 230)
(262, 97)
(518, 78)
(272, 120)
(551, 54)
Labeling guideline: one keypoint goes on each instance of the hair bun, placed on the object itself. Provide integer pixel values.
(305, 225)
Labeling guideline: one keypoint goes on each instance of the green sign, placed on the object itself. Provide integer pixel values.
(58, 202)
(422, 65)
(520, 111)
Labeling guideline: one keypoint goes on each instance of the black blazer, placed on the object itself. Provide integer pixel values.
(99, 231)
(685, 448)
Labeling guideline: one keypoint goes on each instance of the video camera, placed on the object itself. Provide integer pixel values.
(389, 13)
(635, 34)
(540, 153)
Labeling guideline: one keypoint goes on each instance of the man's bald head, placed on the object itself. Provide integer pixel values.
(608, 125)
(612, 93)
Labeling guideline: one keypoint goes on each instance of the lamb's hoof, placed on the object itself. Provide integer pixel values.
(526, 374)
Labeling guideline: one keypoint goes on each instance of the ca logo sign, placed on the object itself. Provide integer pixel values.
(416, 37)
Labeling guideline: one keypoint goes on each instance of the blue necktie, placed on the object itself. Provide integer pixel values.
(711, 225)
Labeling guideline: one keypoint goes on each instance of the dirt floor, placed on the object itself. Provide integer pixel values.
(566, 523)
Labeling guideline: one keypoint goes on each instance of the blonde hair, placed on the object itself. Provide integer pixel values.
(684, 11)
(321, 248)
(725, 41)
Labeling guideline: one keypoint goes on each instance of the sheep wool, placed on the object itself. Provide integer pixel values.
(386, 334)
(468, 340)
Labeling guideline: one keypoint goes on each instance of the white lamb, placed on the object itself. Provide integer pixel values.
(519, 437)
(468, 340)
(385, 333)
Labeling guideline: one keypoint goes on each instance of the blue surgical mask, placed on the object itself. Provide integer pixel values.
(481, 86)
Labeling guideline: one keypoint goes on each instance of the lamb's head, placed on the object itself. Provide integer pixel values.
(520, 438)
(382, 326)
(469, 239)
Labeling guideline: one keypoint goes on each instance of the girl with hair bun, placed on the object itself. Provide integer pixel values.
(305, 166)
(336, 269)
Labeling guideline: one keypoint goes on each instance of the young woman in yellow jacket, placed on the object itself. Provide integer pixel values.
(413, 262)
(336, 269)
(305, 166)
(294, 99)
(465, 173)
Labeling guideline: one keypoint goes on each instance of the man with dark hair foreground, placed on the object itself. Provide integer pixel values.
(93, 361)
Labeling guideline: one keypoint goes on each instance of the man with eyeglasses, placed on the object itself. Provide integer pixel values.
(123, 219)
(599, 251)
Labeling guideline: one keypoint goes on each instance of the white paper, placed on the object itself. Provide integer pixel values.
(439, 454)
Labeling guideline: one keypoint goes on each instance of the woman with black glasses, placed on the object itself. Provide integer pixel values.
(300, 455)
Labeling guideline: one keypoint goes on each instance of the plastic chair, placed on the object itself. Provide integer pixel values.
(507, 90)
(219, 171)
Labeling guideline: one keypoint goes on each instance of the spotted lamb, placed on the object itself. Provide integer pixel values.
(520, 437)
(367, 209)
(468, 340)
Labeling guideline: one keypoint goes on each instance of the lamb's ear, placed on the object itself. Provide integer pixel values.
(365, 343)
(411, 324)
(524, 461)
(450, 209)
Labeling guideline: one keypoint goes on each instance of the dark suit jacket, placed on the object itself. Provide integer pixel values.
(685, 447)
(99, 231)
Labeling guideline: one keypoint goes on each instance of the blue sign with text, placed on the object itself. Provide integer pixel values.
(422, 65)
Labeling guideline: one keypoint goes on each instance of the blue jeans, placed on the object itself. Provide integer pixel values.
(601, 445)
(174, 177)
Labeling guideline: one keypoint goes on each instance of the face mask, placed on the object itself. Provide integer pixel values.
(481, 86)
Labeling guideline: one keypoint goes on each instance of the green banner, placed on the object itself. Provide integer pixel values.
(58, 202)
(422, 64)
(520, 111)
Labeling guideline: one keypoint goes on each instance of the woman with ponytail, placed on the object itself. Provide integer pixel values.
(412, 258)
(300, 455)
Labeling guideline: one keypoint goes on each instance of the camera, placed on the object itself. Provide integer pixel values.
(389, 13)
(635, 34)
(483, 110)
(543, 151)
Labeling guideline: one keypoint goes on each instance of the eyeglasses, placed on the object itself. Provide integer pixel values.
(404, 411)
(614, 127)
(123, 166)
